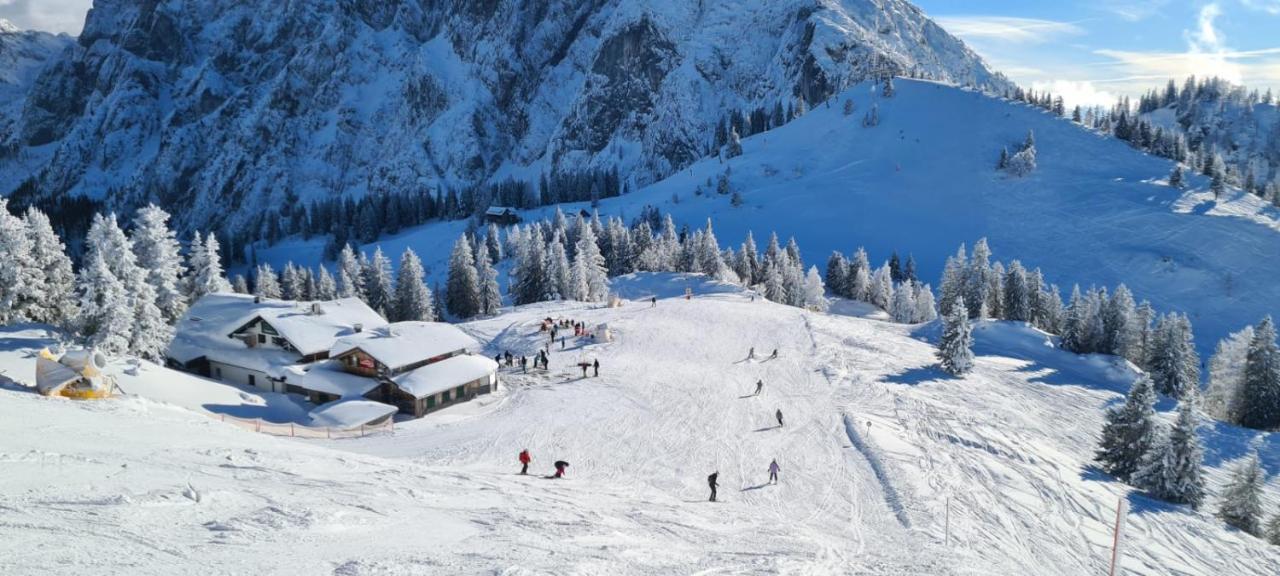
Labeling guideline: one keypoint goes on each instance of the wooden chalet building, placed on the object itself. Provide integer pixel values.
(501, 215)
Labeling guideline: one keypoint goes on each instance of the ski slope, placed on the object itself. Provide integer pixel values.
(875, 443)
(924, 181)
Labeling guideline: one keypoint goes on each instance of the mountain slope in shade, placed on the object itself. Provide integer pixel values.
(210, 104)
(23, 54)
(924, 181)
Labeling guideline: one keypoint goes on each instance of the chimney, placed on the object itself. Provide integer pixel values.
(358, 328)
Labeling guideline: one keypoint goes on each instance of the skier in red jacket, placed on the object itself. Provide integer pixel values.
(524, 461)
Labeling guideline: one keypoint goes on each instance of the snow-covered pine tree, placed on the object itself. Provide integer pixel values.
(751, 257)
(1176, 177)
(20, 280)
(55, 302)
(1241, 501)
(590, 278)
(1120, 322)
(159, 254)
(290, 284)
(978, 279)
(532, 282)
(880, 293)
(953, 281)
(734, 147)
(105, 319)
(889, 90)
(1073, 323)
(379, 290)
(1175, 366)
(793, 280)
(1017, 300)
(239, 284)
(490, 292)
(559, 270)
(309, 288)
(350, 284)
(995, 291)
(1226, 376)
(1052, 317)
(146, 334)
(837, 273)
(955, 350)
(462, 290)
(1095, 332)
(1130, 431)
(815, 297)
(860, 276)
(493, 243)
(265, 283)
(412, 298)
(204, 268)
(925, 308)
(1173, 469)
(326, 286)
(1259, 398)
(903, 309)
(1273, 530)
(775, 289)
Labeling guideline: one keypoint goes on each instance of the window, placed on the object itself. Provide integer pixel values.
(460, 392)
(262, 339)
(252, 380)
(431, 402)
(444, 396)
(278, 341)
(218, 373)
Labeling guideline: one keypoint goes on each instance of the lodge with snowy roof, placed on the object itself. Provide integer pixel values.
(332, 352)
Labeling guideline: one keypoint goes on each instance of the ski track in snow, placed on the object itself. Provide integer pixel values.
(168, 491)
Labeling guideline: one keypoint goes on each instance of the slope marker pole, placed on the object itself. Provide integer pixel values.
(1122, 508)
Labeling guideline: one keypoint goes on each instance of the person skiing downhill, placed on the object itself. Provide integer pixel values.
(560, 466)
(773, 471)
(596, 365)
(779, 415)
(711, 481)
(751, 354)
(774, 355)
(524, 461)
(653, 301)
(759, 386)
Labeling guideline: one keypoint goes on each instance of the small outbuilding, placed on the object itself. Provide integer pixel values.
(501, 215)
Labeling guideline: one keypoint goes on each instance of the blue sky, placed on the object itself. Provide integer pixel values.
(1090, 51)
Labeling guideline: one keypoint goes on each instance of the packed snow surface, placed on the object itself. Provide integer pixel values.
(876, 443)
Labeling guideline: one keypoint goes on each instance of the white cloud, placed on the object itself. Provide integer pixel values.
(1077, 92)
(1133, 10)
(1268, 6)
(1007, 29)
(48, 15)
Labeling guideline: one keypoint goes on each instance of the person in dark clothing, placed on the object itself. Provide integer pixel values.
(711, 481)
(779, 415)
(775, 354)
(498, 359)
(773, 471)
(584, 366)
(524, 461)
(524, 363)
(653, 301)
(562, 342)
(596, 365)
(560, 466)
(759, 386)
(751, 354)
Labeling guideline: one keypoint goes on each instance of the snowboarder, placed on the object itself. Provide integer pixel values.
(596, 365)
(524, 461)
(560, 466)
(711, 481)
(751, 354)
(773, 471)
(779, 415)
(759, 387)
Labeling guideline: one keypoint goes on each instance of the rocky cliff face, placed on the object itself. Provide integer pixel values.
(23, 54)
(218, 108)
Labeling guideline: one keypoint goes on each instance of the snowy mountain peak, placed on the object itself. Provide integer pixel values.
(253, 104)
(7, 27)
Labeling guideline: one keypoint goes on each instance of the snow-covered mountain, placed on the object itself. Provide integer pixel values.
(23, 54)
(222, 107)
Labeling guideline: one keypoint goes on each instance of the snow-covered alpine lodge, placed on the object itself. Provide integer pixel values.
(339, 350)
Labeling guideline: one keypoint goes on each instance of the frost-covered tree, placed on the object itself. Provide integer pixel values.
(590, 278)
(462, 290)
(815, 297)
(750, 269)
(955, 350)
(1175, 366)
(493, 243)
(1176, 177)
(1241, 501)
(903, 309)
(159, 253)
(837, 273)
(204, 268)
(350, 283)
(1017, 298)
(1120, 323)
(291, 283)
(239, 284)
(532, 282)
(265, 282)
(490, 292)
(926, 310)
(1074, 338)
(1259, 398)
(1172, 469)
(880, 293)
(20, 280)
(1130, 431)
(143, 331)
(106, 319)
(379, 289)
(559, 270)
(1273, 530)
(953, 281)
(734, 147)
(55, 301)
(978, 280)
(412, 298)
(326, 286)
(995, 291)
(1226, 376)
